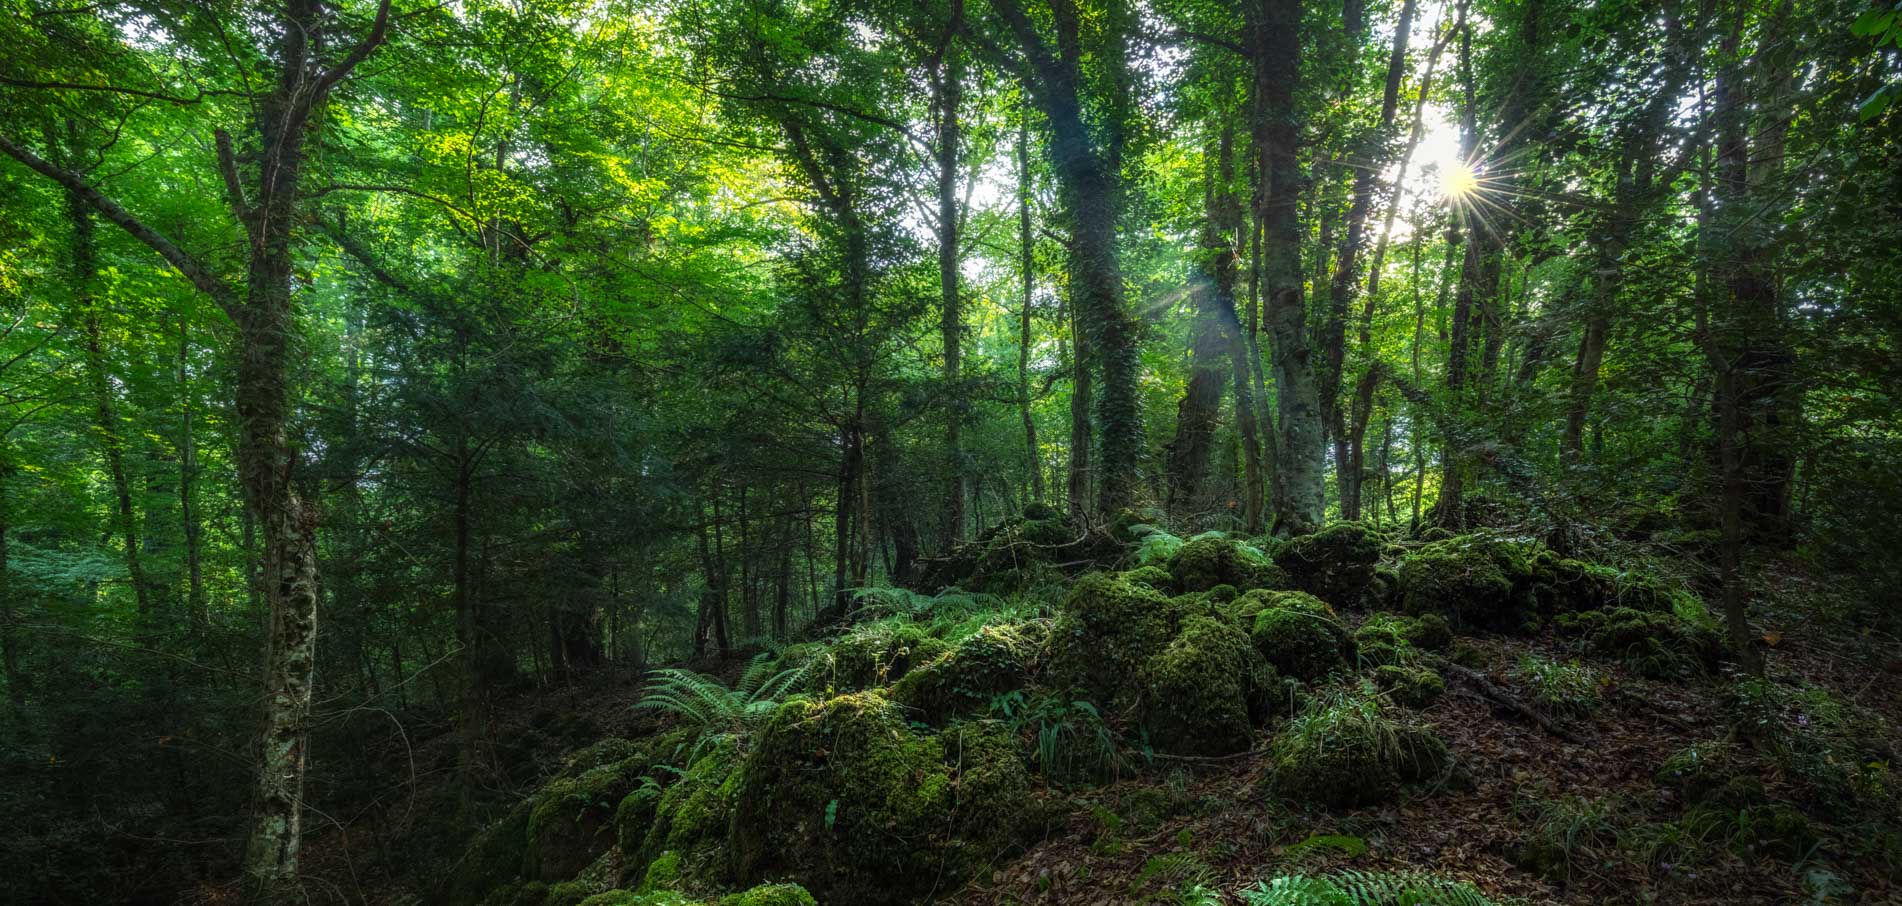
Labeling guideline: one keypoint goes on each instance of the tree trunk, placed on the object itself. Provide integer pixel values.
(1088, 178)
(1275, 45)
(1027, 266)
(948, 89)
(105, 414)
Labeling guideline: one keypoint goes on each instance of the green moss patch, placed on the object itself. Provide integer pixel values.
(1344, 750)
(1208, 560)
(967, 678)
(1298, 633)
(1335, 564)
(845, 798)
(1199, 691)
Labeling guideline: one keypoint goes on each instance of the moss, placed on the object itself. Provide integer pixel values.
(1207, 561)
(1221, 594)
(493, 859)
(967, 678)
(1007, 555)
(848, 800)
(1386, 638)
(1412, 687)
(1656, 645)
(691, 817)
(1471, 580)
(648, 898)
(771, 895)
(663, 872)
(572, 822)
(1151, 576)
(875, 655)
(570, 893)
(1199, 691)
(1335, 564)
(1343, 751)
(989, 778)
(1298, 634)
(1106, 631)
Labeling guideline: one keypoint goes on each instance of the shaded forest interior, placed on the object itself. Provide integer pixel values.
(758, 452)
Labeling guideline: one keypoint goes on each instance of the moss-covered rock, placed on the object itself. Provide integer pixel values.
(687, 833)
(1152, 577)
(1221, 594)
(572, 820)
(970, 676)
(1298, 633)
(845, 798)
(873, 655)
(1199, 692)
(771, 895)
(1208, 560)
(640, 898)
(1411, 687)
(1007, 555)
(1107, 630)
(493, 859)
(1344, 751)
(572, 893)
(1656, 645)
(1335, 564)
(1471, 580)
(1386, 638)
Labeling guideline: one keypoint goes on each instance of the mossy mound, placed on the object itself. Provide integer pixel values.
(1411, 687)
(1296, 632)
(686, 831)
(1200, 691)
(572, 820)
(1008, 556)
(1209, 560)
(1344, 751)
(493, 860)
(848, 800)
(1655, 645)
(1471, 580)
(873, 655)
(1386, 638)
(1151, 576)
(1107, 630)
(1335, 564)
(967, 678)
(771, 895)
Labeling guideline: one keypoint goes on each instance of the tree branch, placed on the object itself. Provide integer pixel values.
(228, 168)
(194, 271)
(378, 31)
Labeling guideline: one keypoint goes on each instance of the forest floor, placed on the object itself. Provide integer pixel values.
(1135, 839)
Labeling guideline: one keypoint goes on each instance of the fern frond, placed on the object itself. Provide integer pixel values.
(1362, 888)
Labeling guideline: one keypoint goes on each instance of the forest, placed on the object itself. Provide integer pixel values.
(783, 452)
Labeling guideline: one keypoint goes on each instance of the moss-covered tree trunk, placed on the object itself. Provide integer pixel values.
(1275, 45)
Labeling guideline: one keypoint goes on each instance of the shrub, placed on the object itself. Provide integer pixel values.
(1344, 751)
(1359, 888)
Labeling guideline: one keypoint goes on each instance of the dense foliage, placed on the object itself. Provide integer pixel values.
(372, 373)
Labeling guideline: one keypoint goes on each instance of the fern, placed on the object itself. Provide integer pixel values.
(716, 709)
(1360, 888)
(1155, 546)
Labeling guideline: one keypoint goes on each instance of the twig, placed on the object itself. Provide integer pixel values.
(1505, 699)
